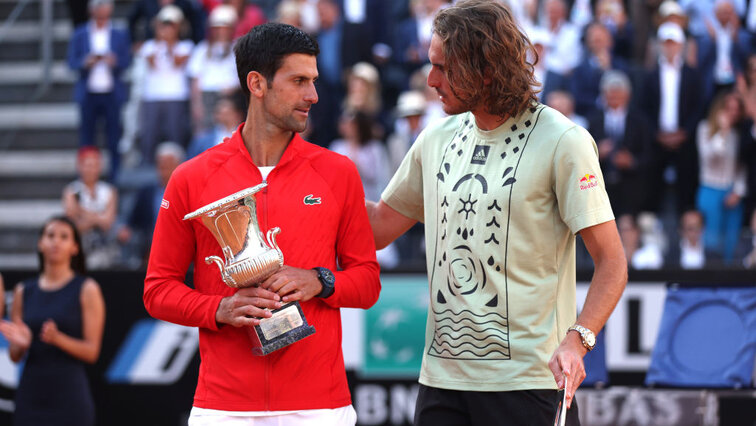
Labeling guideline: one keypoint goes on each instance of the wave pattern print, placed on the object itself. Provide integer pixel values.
(467, 335)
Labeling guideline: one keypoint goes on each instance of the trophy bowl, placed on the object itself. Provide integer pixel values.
(250, 258)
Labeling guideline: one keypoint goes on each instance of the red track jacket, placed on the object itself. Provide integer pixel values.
(308, 374)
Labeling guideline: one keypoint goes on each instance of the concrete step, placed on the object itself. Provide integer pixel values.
(30, 30)
(23, 93)
(39, 116)
(53, 163)
(33, 139)
(32, 11)
(18, 261)
(26, 72)
(62, 29)
(30, 50)
(18, 240)
(32, 187)
(28, 213)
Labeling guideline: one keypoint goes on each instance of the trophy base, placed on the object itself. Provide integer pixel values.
(287, 325)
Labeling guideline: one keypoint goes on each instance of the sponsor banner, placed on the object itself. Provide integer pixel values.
(391, 403)
(632, 328)
(147, 369)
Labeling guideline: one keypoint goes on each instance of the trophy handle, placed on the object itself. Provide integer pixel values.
(228, 279)
(272, 241)
(218, 261)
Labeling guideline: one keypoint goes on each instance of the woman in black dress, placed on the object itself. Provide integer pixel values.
(56, 321)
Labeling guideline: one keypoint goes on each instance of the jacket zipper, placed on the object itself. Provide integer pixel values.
(265, 231)
(265, 208)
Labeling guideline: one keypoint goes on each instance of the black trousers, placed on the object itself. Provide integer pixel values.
(443, 407)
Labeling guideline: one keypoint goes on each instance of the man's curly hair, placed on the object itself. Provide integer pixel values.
(481, 41)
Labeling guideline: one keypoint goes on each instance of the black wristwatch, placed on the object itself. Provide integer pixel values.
(327, 280)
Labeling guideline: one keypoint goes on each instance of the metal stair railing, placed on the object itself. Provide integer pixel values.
(15, 13)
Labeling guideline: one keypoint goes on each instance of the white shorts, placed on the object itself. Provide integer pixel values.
(344, 416)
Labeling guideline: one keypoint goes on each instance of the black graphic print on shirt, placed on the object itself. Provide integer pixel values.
(474, 181)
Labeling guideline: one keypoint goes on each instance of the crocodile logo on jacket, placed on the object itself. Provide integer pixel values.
(310, 200)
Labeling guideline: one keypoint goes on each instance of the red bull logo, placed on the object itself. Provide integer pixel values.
(588, 181)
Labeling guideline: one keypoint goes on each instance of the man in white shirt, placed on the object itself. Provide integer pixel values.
(99, 52)
(688, 252)
(565, 49)
(672, 100)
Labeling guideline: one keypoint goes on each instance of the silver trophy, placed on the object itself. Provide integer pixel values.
(250, 258)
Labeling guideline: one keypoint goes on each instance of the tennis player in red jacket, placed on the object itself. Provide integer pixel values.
(316, 198)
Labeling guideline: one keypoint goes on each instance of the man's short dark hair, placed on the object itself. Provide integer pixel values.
(264, 47)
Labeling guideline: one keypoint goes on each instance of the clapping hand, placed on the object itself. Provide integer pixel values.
(49, 332)
(17, 333)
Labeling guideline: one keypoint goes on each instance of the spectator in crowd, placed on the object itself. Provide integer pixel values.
(56, 325)
(580, 13)
(750, 260)
(672, 101)
(136, 233)
(563, 102)
(288, 13)
(165, 96)
(701, 13)
(746, 88)
(599, 59)
(395, 74)
(2, 297)
(363, 93)
(624, 142)
(229, 112)
(249, 15)
(613, 16)
(212, 67)
(639, 255)
(100, 52)
(369, 154)
(565, 49)
(92, 205)
(409, 112)
(689, 252)
(303, 13)
(722, 176)
(342, 44)
(550, 81)
(363, 90)
(142, 20)
(413, 35)
(724, 49)
(670, 11)
(525, 13)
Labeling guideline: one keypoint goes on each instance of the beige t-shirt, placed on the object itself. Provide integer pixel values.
(500, 208)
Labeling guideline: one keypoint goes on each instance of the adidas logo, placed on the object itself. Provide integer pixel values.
(480, 154)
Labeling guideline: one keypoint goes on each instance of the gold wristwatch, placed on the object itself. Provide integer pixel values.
(587, 336)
